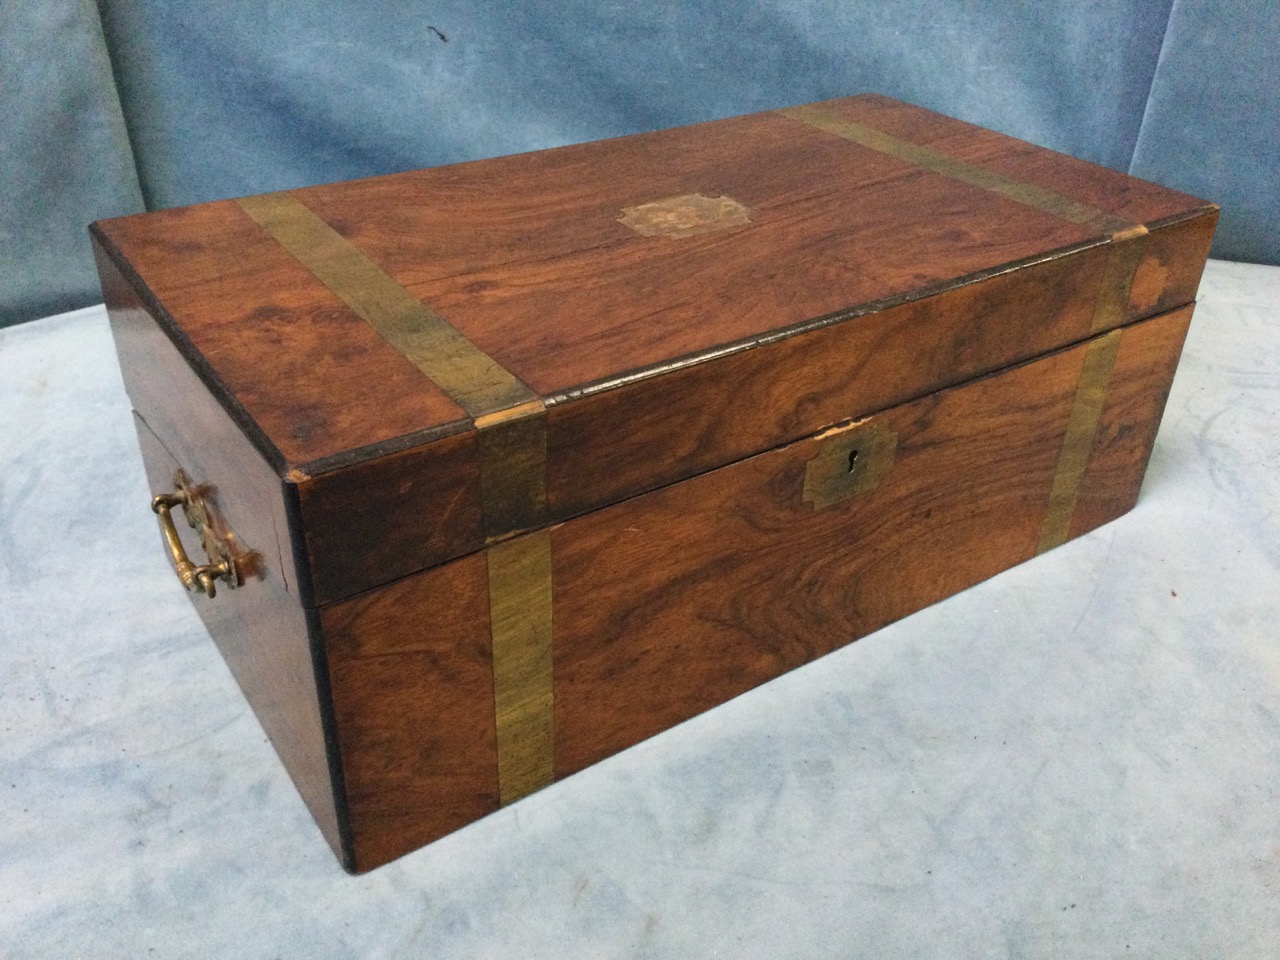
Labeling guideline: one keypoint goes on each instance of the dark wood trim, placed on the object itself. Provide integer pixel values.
(104, 246)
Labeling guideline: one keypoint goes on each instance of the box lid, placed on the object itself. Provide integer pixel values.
(442, 358)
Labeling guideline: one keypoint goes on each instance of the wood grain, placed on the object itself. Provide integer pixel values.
(859, 282)
(266, 639)
(526, 256)
(412, 681)
(673, 602)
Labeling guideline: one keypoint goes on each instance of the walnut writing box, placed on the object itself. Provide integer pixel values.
(496, 469)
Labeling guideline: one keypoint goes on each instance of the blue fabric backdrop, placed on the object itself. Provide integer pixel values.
(64, 154)
(171, 102)
(1212, 125)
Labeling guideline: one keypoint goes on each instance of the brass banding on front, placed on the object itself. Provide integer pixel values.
(520, 623)
(1077, 441)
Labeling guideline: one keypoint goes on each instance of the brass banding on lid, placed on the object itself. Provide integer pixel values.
(1125, 236)
(1020, 191)
(471, 378)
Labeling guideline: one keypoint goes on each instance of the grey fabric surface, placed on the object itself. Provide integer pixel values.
(64, 155)
(1076, 760)
(1213, 122)
(233, 98)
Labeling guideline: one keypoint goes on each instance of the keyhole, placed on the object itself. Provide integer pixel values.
(853, 459)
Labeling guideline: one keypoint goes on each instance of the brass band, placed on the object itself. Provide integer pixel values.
(1112, 306)
(511, 439)
(972, 174)
(520, 622)
(470, 377)
(1077, 443)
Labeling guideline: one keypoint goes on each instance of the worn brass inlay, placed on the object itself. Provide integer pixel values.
(685, 216)
(1112, 306)
(851, 460)
(1077, 443)
(470, 377)
(520, 621)
(1150, 281)
(513, 468)
(509, 416)
(972, 174)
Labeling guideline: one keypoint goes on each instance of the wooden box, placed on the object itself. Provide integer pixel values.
(503, 467)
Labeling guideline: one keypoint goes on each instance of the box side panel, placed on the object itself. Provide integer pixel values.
(412, 682)
(260, 628)
(263, 635)
(1129, 421)
(199, 434)
(671, 603)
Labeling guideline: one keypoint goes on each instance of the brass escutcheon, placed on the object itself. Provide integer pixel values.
(852, 460)
(685, 216)
(221, 565)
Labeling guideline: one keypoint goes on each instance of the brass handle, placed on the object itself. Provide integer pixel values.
(198, 577)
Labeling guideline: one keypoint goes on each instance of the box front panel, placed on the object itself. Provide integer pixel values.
(413, 692)
(670, 603)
